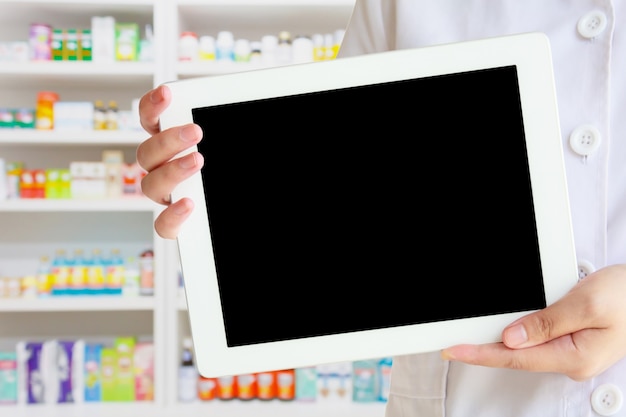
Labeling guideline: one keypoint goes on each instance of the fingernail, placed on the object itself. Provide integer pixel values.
(188, 133)
(180, 209)
(446, 355)
(515, 336)
(188, 161)
(155, 98)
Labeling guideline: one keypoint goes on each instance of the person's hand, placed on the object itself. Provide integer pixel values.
(581, 335)
(156, 154)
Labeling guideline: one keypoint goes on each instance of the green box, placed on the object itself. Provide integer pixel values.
(56, 44)
(24, 118)
(125, 387)
(84, 45)
(126, 41)
(65, 183)
(109, 374)
(53, 179)
(70, 45)
(7, 118)
(8, 377)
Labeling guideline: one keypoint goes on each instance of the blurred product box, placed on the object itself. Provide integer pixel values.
(33, 183)
(24, 118)
(73, 115)
(88, 180)
(16, 51)
(143, 362)
(58, 183)
(8, 377)
(7, 118)
(71, 45)
(103, 39)
(126, 41)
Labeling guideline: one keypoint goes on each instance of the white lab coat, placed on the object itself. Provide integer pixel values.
(590, 73)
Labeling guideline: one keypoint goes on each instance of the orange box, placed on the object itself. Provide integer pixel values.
(207, 388)
(27, 183)
(39, 186)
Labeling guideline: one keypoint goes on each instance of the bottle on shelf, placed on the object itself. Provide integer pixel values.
(95, 272)
(78, 274)
(224, 46)
(187, 374)
(99, 115)
(114, 277)
(112, 121)
(60, 270)
(44, 276)
(284, 52)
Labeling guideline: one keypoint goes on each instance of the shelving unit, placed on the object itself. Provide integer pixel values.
(32, 227)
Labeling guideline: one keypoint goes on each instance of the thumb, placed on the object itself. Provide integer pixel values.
(542, 326)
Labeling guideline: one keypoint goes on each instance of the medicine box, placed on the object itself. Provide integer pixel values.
(125, 384)
(126, 41)
(93, 372)
(8, 377)
(144, 371)
(73, 115)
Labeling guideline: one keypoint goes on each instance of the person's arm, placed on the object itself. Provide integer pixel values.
(370, 29)
(581, 335)
(155, 156)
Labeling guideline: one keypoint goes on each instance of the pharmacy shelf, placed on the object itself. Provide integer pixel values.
(238, 408)
(22, 137)
(82, 410)
(130, 204)
(78, 69)
(31, 227)
(233, 408)
(80, 74)
(77, 304)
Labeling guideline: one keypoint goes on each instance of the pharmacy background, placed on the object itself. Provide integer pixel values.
(121, 369)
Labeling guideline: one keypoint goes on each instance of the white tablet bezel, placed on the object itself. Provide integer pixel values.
(529, 52)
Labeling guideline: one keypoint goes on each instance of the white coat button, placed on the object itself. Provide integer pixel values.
(592, 24)
(585, 268)
(585, 140)
(606, 400)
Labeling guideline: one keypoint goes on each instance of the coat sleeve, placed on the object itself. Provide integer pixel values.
(371, 28)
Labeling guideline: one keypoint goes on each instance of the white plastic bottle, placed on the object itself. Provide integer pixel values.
(224, 46)
(187, 374)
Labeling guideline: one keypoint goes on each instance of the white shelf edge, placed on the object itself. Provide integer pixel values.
(82, 2)
(77, 303)
(77, 68)
(130, 204)
(275, 408)
(19, 137)
(81, 410)
(233, 408)
(266, 3)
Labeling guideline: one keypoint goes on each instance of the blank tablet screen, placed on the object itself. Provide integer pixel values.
(369, 207)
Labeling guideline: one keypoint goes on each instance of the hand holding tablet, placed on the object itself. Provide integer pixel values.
(351, 243)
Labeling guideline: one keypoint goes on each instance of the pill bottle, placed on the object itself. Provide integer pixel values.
(44, 111)
(224, 46)
(207, 48)
(188, 46)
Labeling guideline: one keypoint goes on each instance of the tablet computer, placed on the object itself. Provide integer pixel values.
(373, 206)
